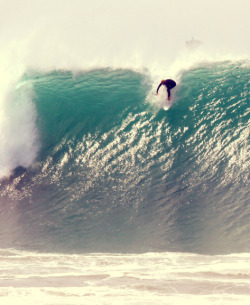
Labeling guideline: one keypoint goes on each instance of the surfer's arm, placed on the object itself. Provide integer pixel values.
(158, 88)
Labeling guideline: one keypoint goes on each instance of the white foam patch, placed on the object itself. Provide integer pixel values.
(103, 278)
(19, 136)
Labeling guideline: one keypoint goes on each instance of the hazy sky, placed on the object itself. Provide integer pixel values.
(115, 27)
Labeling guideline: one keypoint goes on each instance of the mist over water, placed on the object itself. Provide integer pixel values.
(80, 34)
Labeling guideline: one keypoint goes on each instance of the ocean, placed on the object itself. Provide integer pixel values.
(110, 194)
(107, 198)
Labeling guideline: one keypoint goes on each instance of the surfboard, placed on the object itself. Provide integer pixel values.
(166, 104)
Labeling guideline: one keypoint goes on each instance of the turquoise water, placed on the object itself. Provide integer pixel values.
(113, 172)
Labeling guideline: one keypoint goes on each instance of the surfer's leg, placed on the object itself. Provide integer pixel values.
(168, 90)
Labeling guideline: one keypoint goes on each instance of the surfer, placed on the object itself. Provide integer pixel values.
(169, 84)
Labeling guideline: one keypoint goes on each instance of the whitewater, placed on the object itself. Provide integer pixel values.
(106, 197)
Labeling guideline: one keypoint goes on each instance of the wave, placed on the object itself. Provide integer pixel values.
(100, 166)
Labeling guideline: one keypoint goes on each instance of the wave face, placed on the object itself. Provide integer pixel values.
(116, 173)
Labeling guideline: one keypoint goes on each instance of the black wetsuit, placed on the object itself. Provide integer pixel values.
(169, 83)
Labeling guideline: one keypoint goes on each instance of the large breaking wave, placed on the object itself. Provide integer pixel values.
(90, 162)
